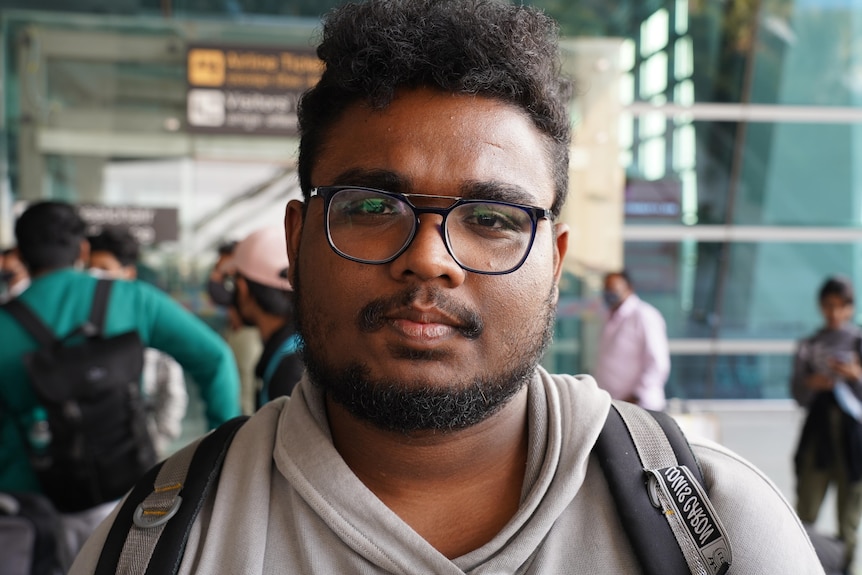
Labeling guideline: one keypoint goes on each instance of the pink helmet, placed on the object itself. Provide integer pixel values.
(262, 258)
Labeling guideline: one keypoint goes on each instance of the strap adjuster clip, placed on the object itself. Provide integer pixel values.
(149, 519)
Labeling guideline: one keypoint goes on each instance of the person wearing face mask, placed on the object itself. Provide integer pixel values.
(262, 298)
(633, 362)
(114, 254)
(13, 275)
(244, 340)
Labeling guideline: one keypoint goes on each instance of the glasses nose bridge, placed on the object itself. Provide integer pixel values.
(441, 227)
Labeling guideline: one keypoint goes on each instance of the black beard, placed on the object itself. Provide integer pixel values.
(407, 407)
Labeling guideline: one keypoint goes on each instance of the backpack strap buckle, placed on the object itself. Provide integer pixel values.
(153, 515)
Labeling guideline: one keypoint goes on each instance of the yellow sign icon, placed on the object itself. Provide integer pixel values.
(206, 67)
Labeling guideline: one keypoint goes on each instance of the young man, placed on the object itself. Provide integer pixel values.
(51, 242)
(244, 340)
(634, 360)
(827, 381)
(425, 261)
(263, 298)
(114, 253)
(13, 275)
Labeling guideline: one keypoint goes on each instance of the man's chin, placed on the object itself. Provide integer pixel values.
(414, 405)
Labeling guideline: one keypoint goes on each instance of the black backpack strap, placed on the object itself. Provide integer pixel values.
(152, 527)
(651, 472)
(96, 322)
(37, 328)
(30, 322)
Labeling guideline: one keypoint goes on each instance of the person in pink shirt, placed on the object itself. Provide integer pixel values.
(633, 361)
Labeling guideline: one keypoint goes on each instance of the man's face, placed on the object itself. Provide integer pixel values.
(12, 267)
(419, 343)
(108, 263)
(836, 311)
(616, 290)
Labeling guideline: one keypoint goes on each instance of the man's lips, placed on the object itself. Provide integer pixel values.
(429, 318)
(422, 331)
(424, 325)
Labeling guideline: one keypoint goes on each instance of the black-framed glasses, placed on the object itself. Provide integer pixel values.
(375, 227)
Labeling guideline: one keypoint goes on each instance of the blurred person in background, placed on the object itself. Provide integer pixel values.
(14, 278)
(263, 299)
(244, 340)
(634, 361)
(114, 254)
(827, 381)
(52, 244)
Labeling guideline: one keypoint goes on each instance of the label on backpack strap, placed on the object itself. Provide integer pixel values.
(687, 508)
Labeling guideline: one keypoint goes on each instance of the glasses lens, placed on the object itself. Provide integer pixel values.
(489, 236)
(369, 225)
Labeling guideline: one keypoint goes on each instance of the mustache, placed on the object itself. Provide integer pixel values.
(373, 315)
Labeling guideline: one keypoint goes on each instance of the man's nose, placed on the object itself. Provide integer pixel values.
(427, 256)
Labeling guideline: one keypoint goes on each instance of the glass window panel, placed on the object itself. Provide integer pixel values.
(688, 180)
(654, 33)
(627, 55)
(652, 159)
(759, 173)
(651, 125)
(729, 376)
(681, 17)
(627, 89)
(653, 75)
(683, 93)
(808, 55)
(684, 148)
(683, 58)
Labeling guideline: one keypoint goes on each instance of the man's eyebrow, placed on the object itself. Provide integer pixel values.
(390, 181)
(499, 191)
(380, 179)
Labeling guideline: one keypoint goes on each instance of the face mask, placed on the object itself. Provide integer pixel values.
(99, 273)
(612, 298)
(221, 293)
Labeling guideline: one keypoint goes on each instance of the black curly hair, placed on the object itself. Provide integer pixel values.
(119, 242)
(836, 286)
(485, 47)
(49, 236)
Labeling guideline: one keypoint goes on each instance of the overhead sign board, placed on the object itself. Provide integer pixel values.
(147, 225)
(247, 90)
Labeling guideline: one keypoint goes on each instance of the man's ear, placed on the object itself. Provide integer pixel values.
(292, 235)
(130, 272)
(561, 246)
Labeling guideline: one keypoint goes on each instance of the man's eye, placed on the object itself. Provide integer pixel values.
(367, 207)
(494, 218)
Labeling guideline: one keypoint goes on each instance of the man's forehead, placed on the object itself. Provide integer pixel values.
(615, 280)
(484, 148)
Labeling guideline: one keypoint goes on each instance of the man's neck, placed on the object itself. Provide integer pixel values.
(457, 490)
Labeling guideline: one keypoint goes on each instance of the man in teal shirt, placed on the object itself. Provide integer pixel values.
(51, 241)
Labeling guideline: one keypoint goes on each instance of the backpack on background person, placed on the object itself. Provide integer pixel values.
(89, 443)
